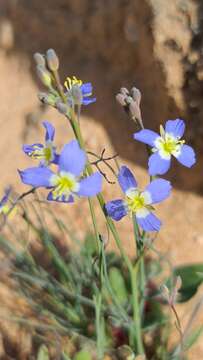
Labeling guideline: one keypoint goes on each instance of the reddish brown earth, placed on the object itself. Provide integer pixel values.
(153, 46)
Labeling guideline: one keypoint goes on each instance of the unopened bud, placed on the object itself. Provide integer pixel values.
(135, 111)
(52, 60)
(44, 75)
(165, 293)
(136, 95)
(48, 99)
(124, 91)
(62, 108)
(39, 59)
(121, 99)
(176, 288)
(77, 95)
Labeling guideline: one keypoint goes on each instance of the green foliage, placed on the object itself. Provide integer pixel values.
(43, 353)
(117, 282)
(83, 355)
(191, 280)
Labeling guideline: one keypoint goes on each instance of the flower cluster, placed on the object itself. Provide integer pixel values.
(139, 203)
(68, 181)
(64, 98)
(71, 179)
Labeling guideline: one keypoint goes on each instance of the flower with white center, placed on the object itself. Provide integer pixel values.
(138, 203)
(67, 182)
(46, 154)
(166, 145)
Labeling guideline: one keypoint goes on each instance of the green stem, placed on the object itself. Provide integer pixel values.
(137, 336)
(140, 255)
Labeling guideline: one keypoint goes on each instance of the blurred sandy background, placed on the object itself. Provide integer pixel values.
(155, 45)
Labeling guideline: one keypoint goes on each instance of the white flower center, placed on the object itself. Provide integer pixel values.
(167, 145)
(138, 202)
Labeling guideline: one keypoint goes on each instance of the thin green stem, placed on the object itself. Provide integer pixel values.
(137, 336)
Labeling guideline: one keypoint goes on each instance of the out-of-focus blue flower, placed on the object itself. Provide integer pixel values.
(138, 203)
(4, 208)
(165, 145)
(66, 183)
(78, 93)
(45, 153)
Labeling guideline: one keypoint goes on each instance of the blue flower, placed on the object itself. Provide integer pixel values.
(138, 203)
(45, 153)
(165, 145)
(4, 200)
(66, 183)
(78, 93)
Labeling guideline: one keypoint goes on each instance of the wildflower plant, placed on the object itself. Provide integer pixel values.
(107, 297)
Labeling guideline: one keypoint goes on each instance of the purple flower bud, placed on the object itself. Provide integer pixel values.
(52, 60)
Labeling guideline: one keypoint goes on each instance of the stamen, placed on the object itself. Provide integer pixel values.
(70, 82)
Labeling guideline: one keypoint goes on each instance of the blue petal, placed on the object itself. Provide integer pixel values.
(159, 190)
(86, 89)
(187, 156)
(91, 185)
(28, 149)
(50, 131)
(175, 127)
(146, 136)
(72, 158)
(149, 223)
(56, 158)
(36, 176)
(6, 196)
(116, 209)
(61, 198)
(126, 179)
(158, 165)
(87, 101)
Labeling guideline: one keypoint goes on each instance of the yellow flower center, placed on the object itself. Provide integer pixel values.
(64, 184)
(45, 153)
(167, 144)
(135, 202)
